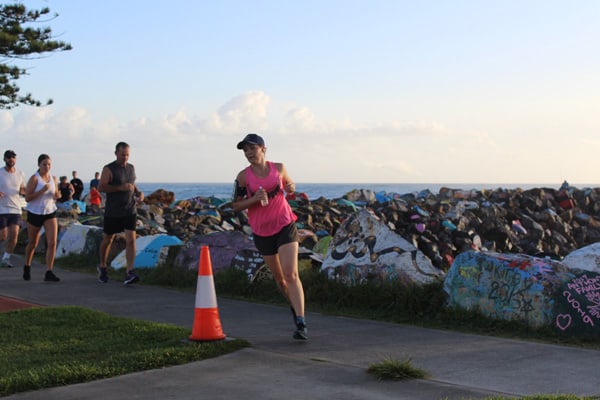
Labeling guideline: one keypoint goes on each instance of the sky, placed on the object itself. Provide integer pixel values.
(342, 91)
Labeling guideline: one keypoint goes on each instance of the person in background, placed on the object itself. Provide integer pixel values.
(95, 199)
(95, 182)
(120, 212)
(259, 188)
(65, 190)
(41, 194)
(12, 187)
(77, 186)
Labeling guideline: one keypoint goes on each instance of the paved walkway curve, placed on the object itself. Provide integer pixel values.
(331, 365)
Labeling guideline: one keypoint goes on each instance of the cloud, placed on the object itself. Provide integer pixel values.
(299, 119)
(246, 112)
(189, 147)
(6, 122)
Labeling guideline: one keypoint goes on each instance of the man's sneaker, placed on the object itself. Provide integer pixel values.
(50, 277)
(5, 263)
(301, 333)
(26, 272)
(102, 274)
(130, 278)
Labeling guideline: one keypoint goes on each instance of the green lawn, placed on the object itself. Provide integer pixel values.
(46, 347)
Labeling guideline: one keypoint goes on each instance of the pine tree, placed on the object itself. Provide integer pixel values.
(20, 41)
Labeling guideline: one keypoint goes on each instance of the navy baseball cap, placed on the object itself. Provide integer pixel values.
(9, 154)
(251, 138)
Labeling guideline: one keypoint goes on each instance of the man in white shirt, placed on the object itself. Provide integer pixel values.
(12, 187)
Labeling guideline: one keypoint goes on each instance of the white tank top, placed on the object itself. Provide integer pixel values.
(44, 204)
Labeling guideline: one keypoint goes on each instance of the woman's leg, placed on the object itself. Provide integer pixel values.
(33, 237)
(288, 258)
(51, 228)
(275, 267)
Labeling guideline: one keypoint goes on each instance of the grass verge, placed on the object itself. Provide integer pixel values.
(47, 347)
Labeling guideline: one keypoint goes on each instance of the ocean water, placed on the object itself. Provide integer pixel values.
(334, 190)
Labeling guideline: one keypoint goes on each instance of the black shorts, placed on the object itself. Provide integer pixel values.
(9, 219)
(114, 225)
(268, 245)
(38, 220)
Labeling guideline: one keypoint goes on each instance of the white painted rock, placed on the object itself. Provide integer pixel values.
(586, 258)
(365, 249)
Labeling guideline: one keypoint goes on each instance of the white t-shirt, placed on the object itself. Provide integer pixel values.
(10, 184)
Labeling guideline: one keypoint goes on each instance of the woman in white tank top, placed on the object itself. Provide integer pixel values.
(41, 194)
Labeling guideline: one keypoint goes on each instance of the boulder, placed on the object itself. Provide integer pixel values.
(577, 308)
(150, 251)
(507, 286)
(223, 248)
(586, 258)
(251, 262)
(160, 197)
(79, 239)
(365, 249)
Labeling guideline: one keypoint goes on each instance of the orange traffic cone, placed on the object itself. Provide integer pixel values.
(207, 324)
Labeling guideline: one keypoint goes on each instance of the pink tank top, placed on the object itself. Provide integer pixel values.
(272, 218)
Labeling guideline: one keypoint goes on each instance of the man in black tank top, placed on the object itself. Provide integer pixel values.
(120, 212)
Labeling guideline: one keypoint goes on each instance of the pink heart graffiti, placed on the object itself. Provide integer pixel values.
(563, 321)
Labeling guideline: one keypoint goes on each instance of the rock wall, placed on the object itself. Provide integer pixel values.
(538, 222)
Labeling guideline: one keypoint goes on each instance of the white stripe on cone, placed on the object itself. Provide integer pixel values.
(205, 292)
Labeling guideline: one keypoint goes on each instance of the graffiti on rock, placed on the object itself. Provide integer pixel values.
(578, 305)
(361, 247)
(251, 262)
(506, 286)
(365, 249)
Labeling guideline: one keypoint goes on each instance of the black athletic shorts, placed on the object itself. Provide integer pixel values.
(114, 225)
(38, 220)
(9, 219)
(268, 245)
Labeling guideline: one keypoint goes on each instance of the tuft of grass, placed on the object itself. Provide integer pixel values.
(47, 347)
(392, 369)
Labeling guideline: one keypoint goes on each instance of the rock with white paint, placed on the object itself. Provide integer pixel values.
(365, 249)
(586, 258)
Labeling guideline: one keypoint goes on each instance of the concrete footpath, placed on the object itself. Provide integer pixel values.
(331, 365)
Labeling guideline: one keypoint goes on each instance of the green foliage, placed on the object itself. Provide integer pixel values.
(46, 347)
(169, 276)
(389, 300)
(75, 262)
(391, 369)
(19, 40)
